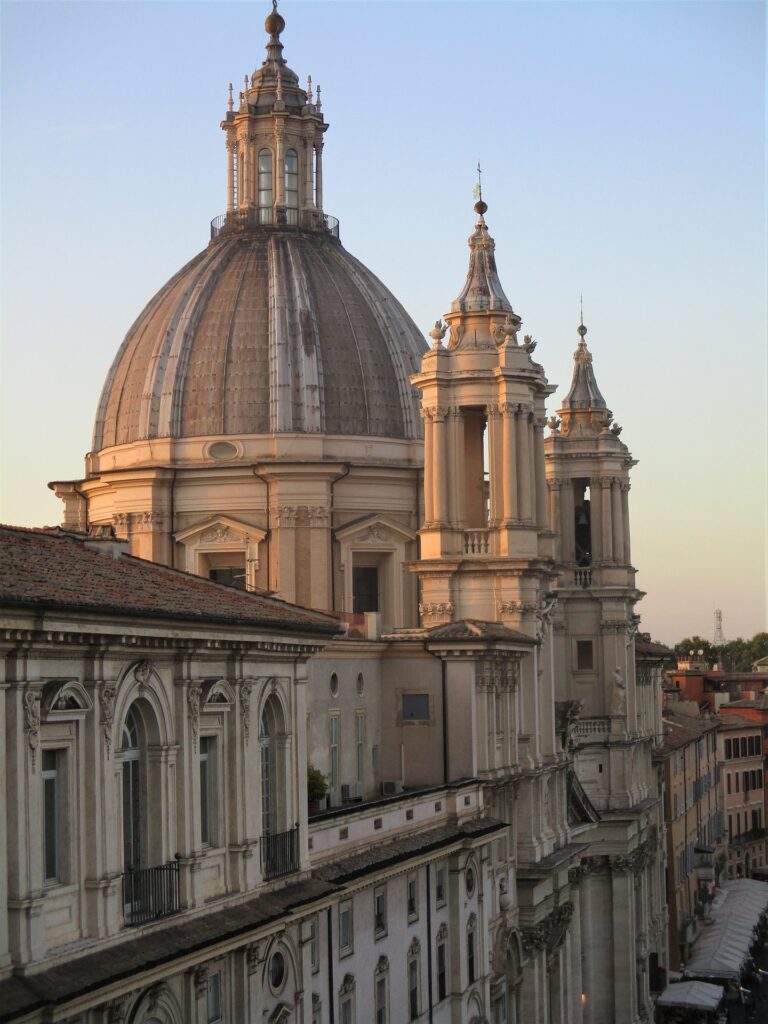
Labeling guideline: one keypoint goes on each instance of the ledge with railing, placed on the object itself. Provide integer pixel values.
(279, 853)
(283, 218)
(590, 728)
(477, 542)
(151, 893)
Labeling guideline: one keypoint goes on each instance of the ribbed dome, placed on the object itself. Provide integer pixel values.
(265, 331)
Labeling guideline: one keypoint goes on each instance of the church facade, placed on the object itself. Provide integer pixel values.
(491, 843)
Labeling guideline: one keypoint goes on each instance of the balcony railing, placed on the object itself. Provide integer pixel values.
(477, 542)
(582, 578)
(280, 853)
(151, 893)
(237, 221)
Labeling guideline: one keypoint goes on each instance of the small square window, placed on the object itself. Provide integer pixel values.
(377, 823)
(415, 707)
(584, 656)
(409, 814)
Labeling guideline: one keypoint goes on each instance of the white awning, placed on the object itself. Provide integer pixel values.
(695, 995)
(723, 946)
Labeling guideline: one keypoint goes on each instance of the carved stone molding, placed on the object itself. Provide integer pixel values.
(31, 699)
(220, 534)
(347, 985)
(107, 706)
(549, 933)
(245, 708)
(116, 1011)
(141, 674)
(415, 947)
(517, 607)
(155, 994)
(200, 981)
(285, 515)
(253, 956)
(194, 693)
(382, 965)
(431, 608)
(319, 515)
(139, 522)
(375, 533)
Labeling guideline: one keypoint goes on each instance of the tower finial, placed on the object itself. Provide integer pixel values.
(581, 329)
(480, 206)
(230, 100)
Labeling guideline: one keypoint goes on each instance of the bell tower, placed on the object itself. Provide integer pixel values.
(485, 542)
(274, 138)
(594, 622)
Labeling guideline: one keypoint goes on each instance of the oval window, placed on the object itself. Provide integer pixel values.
(360, 684)
(277, 971)
(222, 450)
(470, 880)
(334, 685)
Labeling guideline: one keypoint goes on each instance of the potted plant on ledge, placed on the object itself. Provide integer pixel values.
(317, 788)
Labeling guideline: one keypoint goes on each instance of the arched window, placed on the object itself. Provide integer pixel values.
(265, 186)
(292, 185)
(132, 792)
(268, 742)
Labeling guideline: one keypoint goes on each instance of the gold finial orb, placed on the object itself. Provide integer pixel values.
(275, 23)
(480, 207)
(581, 329)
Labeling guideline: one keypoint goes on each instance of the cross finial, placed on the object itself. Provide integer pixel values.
(581, 309)
(274, 5)
(478, 189)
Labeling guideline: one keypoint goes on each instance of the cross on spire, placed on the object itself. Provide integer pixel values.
(478, 189)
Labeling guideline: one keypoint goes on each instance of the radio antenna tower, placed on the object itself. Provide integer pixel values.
(719, 638)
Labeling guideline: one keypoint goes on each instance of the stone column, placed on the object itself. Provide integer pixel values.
(495, 442)
(309, 199)
(540, 474)
(625, 520)
(509, 469)
(230, 176)
(596, 519)
(319, 175)
(279, 193)
(320, 556)
(622, 888)
(245, 185)
(524, 496)
(607, 532)
(429, 502)
(555, 516)
(283, 554)
(617, 530)
(567, 522)
(440, 464)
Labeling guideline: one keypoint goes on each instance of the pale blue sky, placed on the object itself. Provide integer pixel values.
(623, 147)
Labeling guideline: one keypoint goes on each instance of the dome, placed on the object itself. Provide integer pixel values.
(266, 330)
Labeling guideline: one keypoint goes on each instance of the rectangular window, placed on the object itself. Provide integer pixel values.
(381, 999)
(380, 911)
(214, 997)
(314, 957)
(413, 897)
(728, 782)
(728, 753)
(441, 972)
(207, 746)
(345, 1010)
(736, 776)
(471, 955)
(333, 780)
(440, 886)
(584, 656)
(365, 589)
(415, 707)
(52, 814)
(360, 733)
(413, 989)
(743, 746)
(345, 928)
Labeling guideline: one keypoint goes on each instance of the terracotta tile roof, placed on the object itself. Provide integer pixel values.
(680, 730)
(650, 648)
(50, 568)
(181, 936)
(416, 844)
(731, 721)
(476, 629)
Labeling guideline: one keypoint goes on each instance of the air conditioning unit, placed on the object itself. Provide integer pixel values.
(391, 787)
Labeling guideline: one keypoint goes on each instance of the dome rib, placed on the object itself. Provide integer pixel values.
(265, 331)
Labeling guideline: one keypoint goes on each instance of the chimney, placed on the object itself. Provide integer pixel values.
(101, 538)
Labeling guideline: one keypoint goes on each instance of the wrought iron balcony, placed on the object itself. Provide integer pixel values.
(284, 218)
(280, 853)
(151, 893)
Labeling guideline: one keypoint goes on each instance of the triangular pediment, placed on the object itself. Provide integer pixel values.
(221, 530)
(375, 529)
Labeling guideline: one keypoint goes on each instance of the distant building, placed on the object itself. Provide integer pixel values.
(743, 766)
(693, 813)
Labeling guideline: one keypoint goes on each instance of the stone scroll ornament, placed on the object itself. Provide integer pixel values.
(245, 709)
(107, 705)
(32, 697)
(194, 694)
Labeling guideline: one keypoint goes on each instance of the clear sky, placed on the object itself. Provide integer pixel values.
(623, 147)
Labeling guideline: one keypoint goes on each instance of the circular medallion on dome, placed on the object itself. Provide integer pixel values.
(222, 451)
